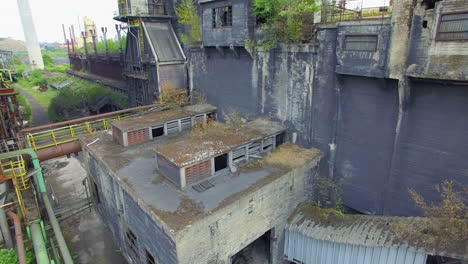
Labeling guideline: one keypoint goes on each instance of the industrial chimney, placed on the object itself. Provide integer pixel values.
(34, 50)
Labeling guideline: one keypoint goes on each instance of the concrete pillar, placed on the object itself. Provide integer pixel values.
(32, 44)
(402, 16)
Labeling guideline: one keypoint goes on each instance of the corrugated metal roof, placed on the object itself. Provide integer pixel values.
(164, 41)
(361, 232)
(300, 248)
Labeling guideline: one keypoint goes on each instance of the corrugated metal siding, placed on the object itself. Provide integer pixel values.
(299, 248)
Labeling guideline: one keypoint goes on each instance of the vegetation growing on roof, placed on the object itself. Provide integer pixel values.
(188, 15)
(171, 97)
(286, 21)
(447, 225)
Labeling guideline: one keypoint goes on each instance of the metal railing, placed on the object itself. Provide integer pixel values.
(61, 135)
(334, 13)
(138, 12)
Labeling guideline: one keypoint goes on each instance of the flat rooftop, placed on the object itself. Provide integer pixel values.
(217, 139)
(134, 168)
(161, 117)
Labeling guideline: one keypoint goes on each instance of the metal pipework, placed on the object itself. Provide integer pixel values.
(19, 237)
(104, 36)
(119, 38)
(83, 33)
(3, 221)
(50, 212)
(40, 249)
(93, 38)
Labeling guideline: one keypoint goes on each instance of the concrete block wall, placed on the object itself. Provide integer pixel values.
(235, 35)
(430, 58)
(120, 212)
(227, 230)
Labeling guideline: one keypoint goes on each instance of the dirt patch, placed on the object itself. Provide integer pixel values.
(187, 213)
(61, 165)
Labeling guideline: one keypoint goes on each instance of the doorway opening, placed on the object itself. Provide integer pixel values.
(256, 252)
(221, 162)
(157, 131)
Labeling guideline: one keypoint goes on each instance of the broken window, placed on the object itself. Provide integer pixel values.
(132, 242)
(268, 144)
(222, 17)
(238, 155)
(157, 131)
(361, 43)
(172, 127)
(453, 27)
(186, 123)
(221, 162)
(149, 258)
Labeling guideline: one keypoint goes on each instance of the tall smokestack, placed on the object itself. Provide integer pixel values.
(34, 50)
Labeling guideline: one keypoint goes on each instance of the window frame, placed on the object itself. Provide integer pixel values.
(361, 35)
(215, 15)
(439, 24)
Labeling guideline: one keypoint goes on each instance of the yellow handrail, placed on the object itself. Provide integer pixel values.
(61, 135)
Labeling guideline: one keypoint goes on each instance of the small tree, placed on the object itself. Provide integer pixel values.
(188, 15)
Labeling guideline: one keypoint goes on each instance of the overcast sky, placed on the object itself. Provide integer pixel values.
(49, 15)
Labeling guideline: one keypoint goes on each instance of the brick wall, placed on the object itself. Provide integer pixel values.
(138, 136)
(198, 171)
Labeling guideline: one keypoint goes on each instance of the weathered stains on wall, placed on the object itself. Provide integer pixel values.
(120, 212)
(366, 130)
(223, 233)
(431, 58)
(226, 36)
(285, 79)
(401, 23)
(363, 63)
(433, 147)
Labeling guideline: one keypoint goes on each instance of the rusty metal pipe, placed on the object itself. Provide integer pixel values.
(19, 237)
(59, 150)
(81, 120)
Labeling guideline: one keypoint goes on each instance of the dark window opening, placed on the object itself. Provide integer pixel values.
(256, 252)
(434, 259)
(211, 117)
(149, 258)
(222, 17)
(361, 43)
(424, 24)
(157, 131)
(132, 243)
(96, 193)
(453, 27)
(280, 139)
(221, 162)
(430, 4)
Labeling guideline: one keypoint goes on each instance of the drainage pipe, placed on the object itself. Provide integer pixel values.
(19, 237)
(40, 249)
(42, 189)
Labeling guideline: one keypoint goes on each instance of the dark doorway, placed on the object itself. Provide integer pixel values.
(256, 252)
(157, 131)
(280, 139)
(221, 162)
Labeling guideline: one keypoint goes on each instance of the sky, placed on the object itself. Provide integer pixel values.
(49, 15)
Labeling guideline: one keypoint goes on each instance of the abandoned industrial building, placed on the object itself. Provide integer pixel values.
(328, 146)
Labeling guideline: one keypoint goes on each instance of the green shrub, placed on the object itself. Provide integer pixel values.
(287, 21)
(188, 15)
(48, 61)
(112, 45)
(28, 110)
(9, 256)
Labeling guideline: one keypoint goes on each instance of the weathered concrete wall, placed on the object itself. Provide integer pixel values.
(235, 35)
(358, 122)
(120, 211)
(219, 236)
(433, 145)
(431, 58)
(363, 63)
